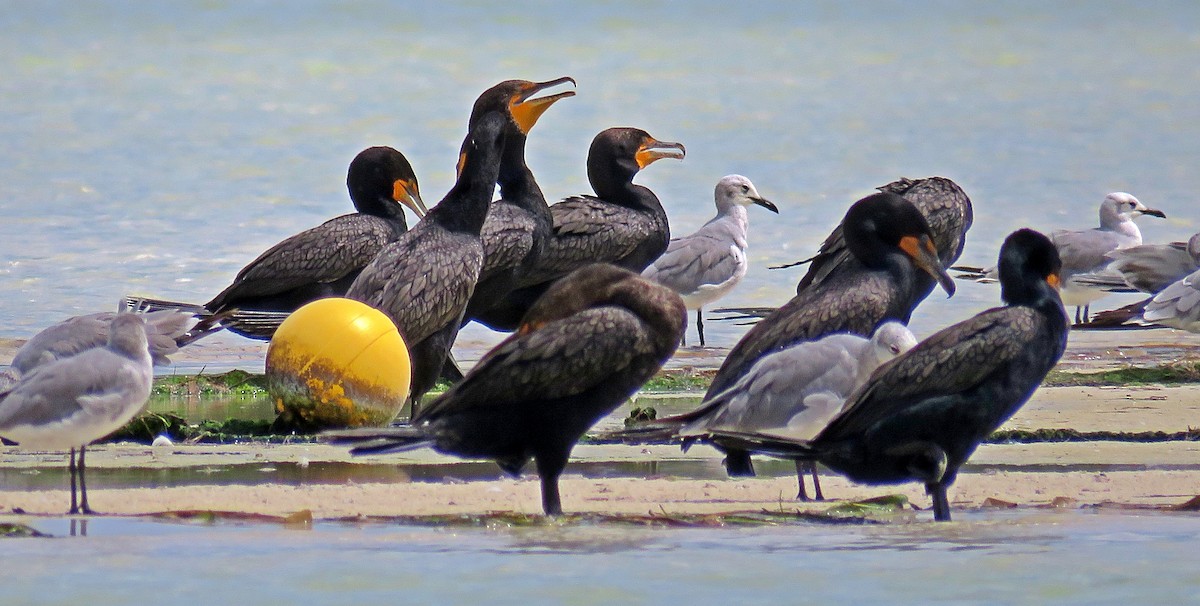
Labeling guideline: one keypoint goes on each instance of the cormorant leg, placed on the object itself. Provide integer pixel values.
(801, 469)
(412, 408)
(700, 324)
(812, 467)
(83, 504)
(738, 464)
(1077, 315)
(71, 472)
(1087, 312)
(941, 504)
(549, 468)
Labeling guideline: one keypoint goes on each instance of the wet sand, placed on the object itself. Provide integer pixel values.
(1051, 474)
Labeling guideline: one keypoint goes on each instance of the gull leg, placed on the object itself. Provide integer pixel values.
(83, 503)
(812, 467)
(801, 469)
(71, 472)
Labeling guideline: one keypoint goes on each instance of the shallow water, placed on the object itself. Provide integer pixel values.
(157, 149)
(986, 556)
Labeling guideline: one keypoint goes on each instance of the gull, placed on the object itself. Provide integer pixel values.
(72, 401)
(166, 331)
(1085, 251)
(705, 265)
(792, 393)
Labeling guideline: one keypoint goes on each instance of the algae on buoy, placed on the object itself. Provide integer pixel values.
(337, 363)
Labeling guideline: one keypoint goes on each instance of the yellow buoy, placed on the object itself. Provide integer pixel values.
(337, 363)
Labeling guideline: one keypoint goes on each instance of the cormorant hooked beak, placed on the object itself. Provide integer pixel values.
(405, 192)
(653, 149)
(924, 256)
(525, 111)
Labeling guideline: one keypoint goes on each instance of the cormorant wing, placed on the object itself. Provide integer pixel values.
(422, 297)
(562, 358)
(586, 230)
(949, 362)
(945, 205)
(325, 253)
(507, 236)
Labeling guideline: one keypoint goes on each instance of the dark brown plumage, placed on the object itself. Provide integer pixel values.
(592, 340)
(518, 223)
(318, 262)
(623, 224)
(946, 208)
(921, 416)
(423, 280)
(892, 245)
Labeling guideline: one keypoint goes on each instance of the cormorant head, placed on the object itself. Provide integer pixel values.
(621, 152)
(881, 223)
(1029, 268)
(382, 175)
(515, 98)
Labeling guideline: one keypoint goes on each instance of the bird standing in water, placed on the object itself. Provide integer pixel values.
(922, 415)
(70, 402)
(705, 265)
(590, 342)
(1086, 252)
(423, 280)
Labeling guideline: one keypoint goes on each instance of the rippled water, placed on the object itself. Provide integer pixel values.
(994, 557)
(157, 149)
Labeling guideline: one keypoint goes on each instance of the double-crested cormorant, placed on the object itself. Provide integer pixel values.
(946, 208)
(623, 224)
(593, 339)
(519, 222)
(69, 402)
(920, 416)
(319, 262)
(792, 393)
(424, 279)
(705, 265)
(892, 246)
